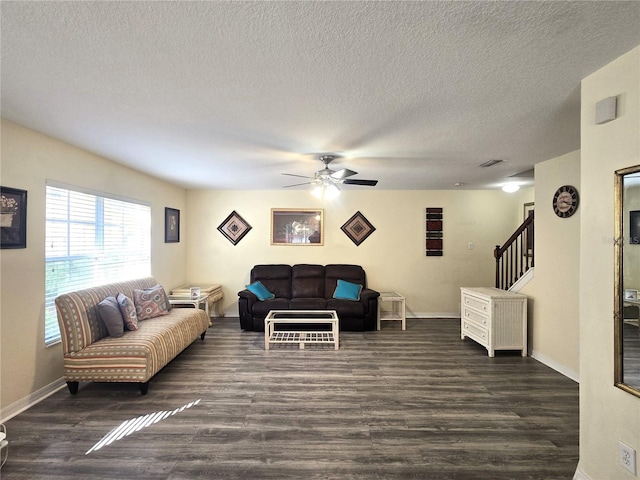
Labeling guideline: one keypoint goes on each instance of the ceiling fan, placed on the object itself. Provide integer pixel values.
(327, 180)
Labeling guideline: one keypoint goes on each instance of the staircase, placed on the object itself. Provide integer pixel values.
(515, 259)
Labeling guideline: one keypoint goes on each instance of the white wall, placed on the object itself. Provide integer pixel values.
(28, 160)
(522, 196)
(393, 256)
(607, 414)
(553, 294)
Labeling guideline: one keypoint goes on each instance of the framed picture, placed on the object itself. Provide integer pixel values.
(358, 228)
(634, 227)
(171, 225)
(630, 294)
(527, 210)
(234, 227)
(297, 226)
(13, 218)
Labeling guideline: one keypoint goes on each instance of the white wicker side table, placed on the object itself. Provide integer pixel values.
(391, 306)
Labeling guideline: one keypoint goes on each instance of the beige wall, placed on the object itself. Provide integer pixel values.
(607, 414)
(553, 294)
(28, 160)
(522, 196)
(393, 256)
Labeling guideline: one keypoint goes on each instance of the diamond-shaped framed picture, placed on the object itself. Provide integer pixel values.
(234, 227)
(358, 228)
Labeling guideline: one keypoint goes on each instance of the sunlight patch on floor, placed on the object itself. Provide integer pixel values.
(133, 425)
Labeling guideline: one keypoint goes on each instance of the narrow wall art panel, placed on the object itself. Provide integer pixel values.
(434, 232)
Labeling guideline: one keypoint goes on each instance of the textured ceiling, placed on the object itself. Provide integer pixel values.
(230, 95)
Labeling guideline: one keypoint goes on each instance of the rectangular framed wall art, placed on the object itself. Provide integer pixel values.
(171, 225)
(13, 218)
(291, 226)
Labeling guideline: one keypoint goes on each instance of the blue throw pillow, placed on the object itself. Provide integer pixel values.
(347, 290)
(260, 291)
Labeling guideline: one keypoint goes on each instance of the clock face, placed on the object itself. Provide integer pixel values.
(565, 201)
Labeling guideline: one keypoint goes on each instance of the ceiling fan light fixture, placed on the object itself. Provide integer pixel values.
(326, 182)
(327, 191)
(317, 191)
(332, 191)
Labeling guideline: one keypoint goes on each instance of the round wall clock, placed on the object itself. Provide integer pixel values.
(565, 201)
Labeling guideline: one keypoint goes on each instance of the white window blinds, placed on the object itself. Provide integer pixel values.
(91, 240)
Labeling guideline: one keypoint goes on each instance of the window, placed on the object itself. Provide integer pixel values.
(91, 239)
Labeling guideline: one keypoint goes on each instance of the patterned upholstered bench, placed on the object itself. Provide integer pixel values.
(91, 355)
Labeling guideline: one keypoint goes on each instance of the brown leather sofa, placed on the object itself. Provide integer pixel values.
(309, 287)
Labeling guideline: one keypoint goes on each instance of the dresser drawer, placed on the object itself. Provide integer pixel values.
(476, 303)
(475, 317)
(480, 335)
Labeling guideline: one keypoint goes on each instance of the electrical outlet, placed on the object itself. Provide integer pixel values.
(627, 457)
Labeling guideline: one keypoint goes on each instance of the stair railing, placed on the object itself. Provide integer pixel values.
(516, 256)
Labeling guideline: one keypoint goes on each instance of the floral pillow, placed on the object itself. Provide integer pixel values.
(150, 302)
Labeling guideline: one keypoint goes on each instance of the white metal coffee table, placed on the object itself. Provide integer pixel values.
(301, 336)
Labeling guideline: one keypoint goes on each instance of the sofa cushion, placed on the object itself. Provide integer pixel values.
(346, 308)
(128, 310)
(277, 278)
(350, 273)
(308, 304)
(260, 309)
(110, 314)
(260, 291)
(347, 290)
(307, 281)
(150, 302)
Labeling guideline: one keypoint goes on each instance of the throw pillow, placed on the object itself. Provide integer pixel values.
(110, 315)
(347, 290)
(128, 310)
(150, 303)
(260, 291)
(166, 297)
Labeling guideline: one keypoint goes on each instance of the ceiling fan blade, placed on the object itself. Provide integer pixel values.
(366, 183)
(294, 175)
(344, 173)
(298, 184)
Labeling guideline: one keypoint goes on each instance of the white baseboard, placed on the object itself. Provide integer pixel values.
(413, 315)
(580, 475)
(522, 281)
(30, 400)
(556, 366)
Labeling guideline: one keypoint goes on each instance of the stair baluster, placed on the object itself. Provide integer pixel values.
(516, 256)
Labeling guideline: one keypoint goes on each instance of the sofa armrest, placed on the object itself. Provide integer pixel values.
(248, 295)
(367, 294)
(246, 299)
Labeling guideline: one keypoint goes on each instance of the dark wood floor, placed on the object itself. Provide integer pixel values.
(391, 404)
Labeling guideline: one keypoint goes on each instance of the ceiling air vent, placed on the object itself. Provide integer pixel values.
(490, 163)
